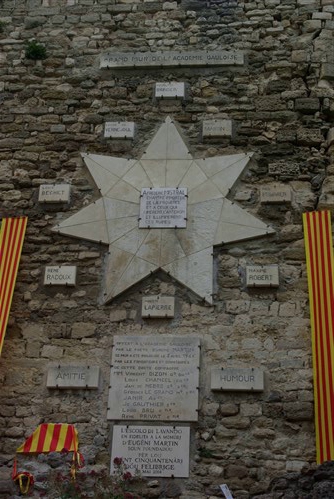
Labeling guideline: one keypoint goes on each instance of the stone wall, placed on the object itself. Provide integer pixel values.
(52, 110)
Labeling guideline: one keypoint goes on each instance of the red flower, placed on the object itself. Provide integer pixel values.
(127, 475)
(118, 461)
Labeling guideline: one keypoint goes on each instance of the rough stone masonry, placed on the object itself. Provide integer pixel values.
(281, 103)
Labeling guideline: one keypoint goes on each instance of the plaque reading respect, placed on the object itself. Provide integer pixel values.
(154, 378)
(163, 208)
(152, 450)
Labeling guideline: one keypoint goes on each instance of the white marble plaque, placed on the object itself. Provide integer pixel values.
(237, 379)
(217, 128)
(163, 208)
(157, 306)
(171, 58)
(119, 129)
(154, 378)
(262, 275)
(275, 193)
(170, 90)
(60, 276)
(152, 450)
(74, 377)
(54, 193)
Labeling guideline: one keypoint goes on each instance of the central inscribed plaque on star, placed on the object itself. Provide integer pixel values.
(163, 208)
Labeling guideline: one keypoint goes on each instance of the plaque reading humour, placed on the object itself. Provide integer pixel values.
(119, 129)
(154, 378)
(237, 379)
(74, 377)
(59, 276)
(157, 306)
(153, 450)
(163, 208)
(262, 275)
(54, 193)
(171, 58)
(170, 90)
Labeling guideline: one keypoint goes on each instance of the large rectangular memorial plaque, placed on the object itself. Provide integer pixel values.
(75, 377)
(163, 208)
(153, 450)
(237, 379)
(171, 58)
(154, 378)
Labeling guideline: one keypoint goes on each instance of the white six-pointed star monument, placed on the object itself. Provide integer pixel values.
(164, 211)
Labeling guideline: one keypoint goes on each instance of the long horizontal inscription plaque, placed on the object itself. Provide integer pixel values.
(171, 58)
(154, 378)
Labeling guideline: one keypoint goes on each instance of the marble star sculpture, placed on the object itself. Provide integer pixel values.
(183, 253)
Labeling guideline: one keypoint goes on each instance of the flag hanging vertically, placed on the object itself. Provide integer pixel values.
(319, 262)
(11, 241)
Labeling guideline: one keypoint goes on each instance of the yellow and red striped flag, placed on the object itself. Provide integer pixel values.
(319, 261)
(11, 241)
(51, 437)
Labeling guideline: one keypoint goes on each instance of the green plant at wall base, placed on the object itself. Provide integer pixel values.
(203, 452)
(35, 50)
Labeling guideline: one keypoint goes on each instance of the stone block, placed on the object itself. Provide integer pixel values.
(309, 137)
(327, 71)
(82, 330)
(307, 105)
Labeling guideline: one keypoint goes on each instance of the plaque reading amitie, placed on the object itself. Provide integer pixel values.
(170, 90)
(59, 276)
(217, 128)
(74, 377)
(119, 129)
(171, 58)
(153, 450)
(163, 208)
(237, 379)
(158, 306)
(154, 378)
(262, 276)
(54, 193)
(275, 193)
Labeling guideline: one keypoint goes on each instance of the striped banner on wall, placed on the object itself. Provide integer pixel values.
(51, 437)
(11, 242)
(319, 261)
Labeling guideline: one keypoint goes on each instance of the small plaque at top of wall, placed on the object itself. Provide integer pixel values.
(234, 379)
(157, 306)
(217, 128)
(275, 193)
(170, 90)
(64, 275)
(54, 193)
(119, 129)
(262, 276)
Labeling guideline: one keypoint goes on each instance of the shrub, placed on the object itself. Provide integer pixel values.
(35, 50)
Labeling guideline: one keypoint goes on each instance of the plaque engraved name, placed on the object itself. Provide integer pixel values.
(171, 58)
(154, 378)
(170, 90)
(77, 377)
(262, 276)
(54, 193)
(163, 208)
(119, 129)
(158, 306)
(153, 450)
(275, 193)
(217, 128)
(58, 276)
(237, 379)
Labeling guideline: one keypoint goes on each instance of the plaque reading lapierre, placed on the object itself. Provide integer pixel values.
(158, 306)
(163, 208)
(153, 450)
(154, 378)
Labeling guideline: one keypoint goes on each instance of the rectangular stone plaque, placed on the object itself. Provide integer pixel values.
(262, 276)
(60, 276)
(119, 129)
(284, 169)
(157, 306)
(237, 379)
(76, 377)
(153, 450)
(54, 193)
(171, 58)
(170, 90)
(217, 128)
(154, 378)
(163, 208)
(275, 194)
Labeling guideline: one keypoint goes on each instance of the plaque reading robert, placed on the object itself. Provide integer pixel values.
(153, 450)
(154, 378)
(163, 208)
